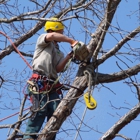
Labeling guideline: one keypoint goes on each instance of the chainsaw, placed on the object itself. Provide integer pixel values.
(80, 52)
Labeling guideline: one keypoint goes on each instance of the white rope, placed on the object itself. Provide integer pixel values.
(84, 113)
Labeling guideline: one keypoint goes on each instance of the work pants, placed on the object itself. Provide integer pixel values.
(34, 124)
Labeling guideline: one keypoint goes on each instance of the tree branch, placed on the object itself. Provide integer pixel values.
(123, 121)
(107, 78)
(118, 46)
(99, 35)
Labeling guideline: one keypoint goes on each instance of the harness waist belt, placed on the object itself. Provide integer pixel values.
(41, 77)
(42, 83)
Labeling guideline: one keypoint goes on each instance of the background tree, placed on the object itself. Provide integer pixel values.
(111, 31)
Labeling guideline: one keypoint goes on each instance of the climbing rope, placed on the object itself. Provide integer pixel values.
(3, 80)
(16, 49)
(13, 115)
(90, 91)
(89, 100)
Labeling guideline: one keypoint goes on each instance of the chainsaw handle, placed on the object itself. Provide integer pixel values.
(70, 54)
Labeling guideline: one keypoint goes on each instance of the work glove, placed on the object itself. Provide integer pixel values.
(74, 43)
(80, 51)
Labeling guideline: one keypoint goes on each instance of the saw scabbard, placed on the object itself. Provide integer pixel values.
(35, 104)
(34, 97)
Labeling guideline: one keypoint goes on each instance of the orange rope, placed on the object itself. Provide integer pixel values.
(24, 61)
(16, 49)
(13, 115)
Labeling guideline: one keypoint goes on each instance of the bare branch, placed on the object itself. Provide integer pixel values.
(106, 78)
(118, 46)
(123, 121)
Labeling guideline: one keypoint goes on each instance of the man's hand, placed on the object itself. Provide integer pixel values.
(70, 54)
(73, 44)
(77, 44)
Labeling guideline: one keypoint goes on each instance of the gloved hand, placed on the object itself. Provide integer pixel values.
(70, 54)
(74, 43)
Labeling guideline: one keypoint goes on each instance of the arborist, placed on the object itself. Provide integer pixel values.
(48, 60)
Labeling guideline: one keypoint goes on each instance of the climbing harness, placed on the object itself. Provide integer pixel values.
(89, 100)
(42, 84)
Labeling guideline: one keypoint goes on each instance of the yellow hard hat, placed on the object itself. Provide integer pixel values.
(53, 25)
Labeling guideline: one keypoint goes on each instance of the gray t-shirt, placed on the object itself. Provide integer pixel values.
(46, 57)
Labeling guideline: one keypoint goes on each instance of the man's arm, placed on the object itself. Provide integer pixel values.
(54, 36)
(58, 37)
(61, 65)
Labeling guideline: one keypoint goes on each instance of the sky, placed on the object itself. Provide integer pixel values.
(97, 119)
